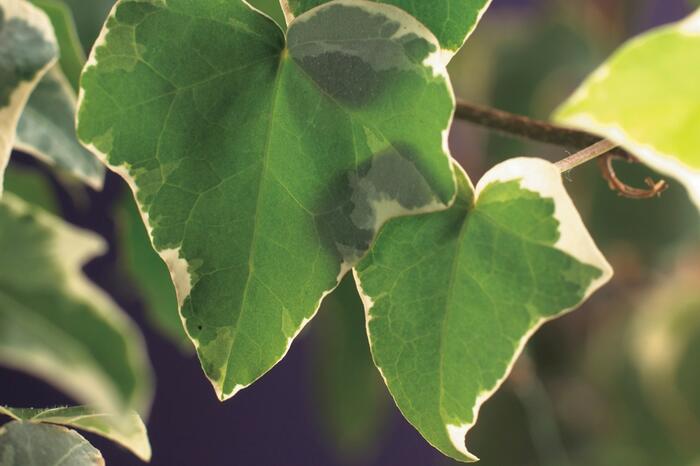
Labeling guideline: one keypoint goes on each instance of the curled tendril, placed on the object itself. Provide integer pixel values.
(656, 188)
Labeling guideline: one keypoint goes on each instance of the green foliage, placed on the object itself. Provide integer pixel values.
(266, 165)
(30, 444)
(125, 429)
(54, 322)
(452, 297)
(263, 176)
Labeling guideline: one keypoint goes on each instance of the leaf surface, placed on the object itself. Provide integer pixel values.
(53, 321)
(452, 297)
(127, 430)
(27, 50)
(31, 444)
(264, 167)
(452, 21)
(646, 98)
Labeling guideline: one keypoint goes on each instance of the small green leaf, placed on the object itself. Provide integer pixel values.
(27, 51)
(647, 99)
(72, 56)
(264, 167)
(47, 130)
(30, 444)
(127, 430)
(452, 21)
(453, 297)
(53, 321)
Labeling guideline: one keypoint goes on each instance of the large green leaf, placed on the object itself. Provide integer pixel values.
(452, 297)
(452, 21)
(27, 51)
(30, 444)
(647, 99)
(264, 168)
(47, 130)
(127, 430)
(56, 324)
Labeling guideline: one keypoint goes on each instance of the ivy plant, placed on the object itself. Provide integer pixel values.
(271, 162)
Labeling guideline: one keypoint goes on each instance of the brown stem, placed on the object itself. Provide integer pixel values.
(528, 128)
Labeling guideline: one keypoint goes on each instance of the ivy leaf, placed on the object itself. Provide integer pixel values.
(46, 130)
(452, 21)
(647, 99)
(263, 168)
(27, 51)
(127, 430)
(29, 444)
(452, 297)
(54, 322)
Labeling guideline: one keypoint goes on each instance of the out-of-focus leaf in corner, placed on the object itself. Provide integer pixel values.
(352, 401)
(126, 429)
(30, 444)
(54, 321)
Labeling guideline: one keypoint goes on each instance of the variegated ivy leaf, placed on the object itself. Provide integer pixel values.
(56, 324)
(27, 51)
(264, 165)
(647, 99)
(452, 297)
(47, 130)
(30, 444)
(127, 430)
(452, 21)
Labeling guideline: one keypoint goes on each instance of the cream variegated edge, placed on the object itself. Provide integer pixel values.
(443, 56)
(10, 115)
(95, 182)
(666, 164)
(544, 178)
(127, 430)
(179, 267)
(72, 248)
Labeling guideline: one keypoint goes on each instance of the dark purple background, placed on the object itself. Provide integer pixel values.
(272, 423)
